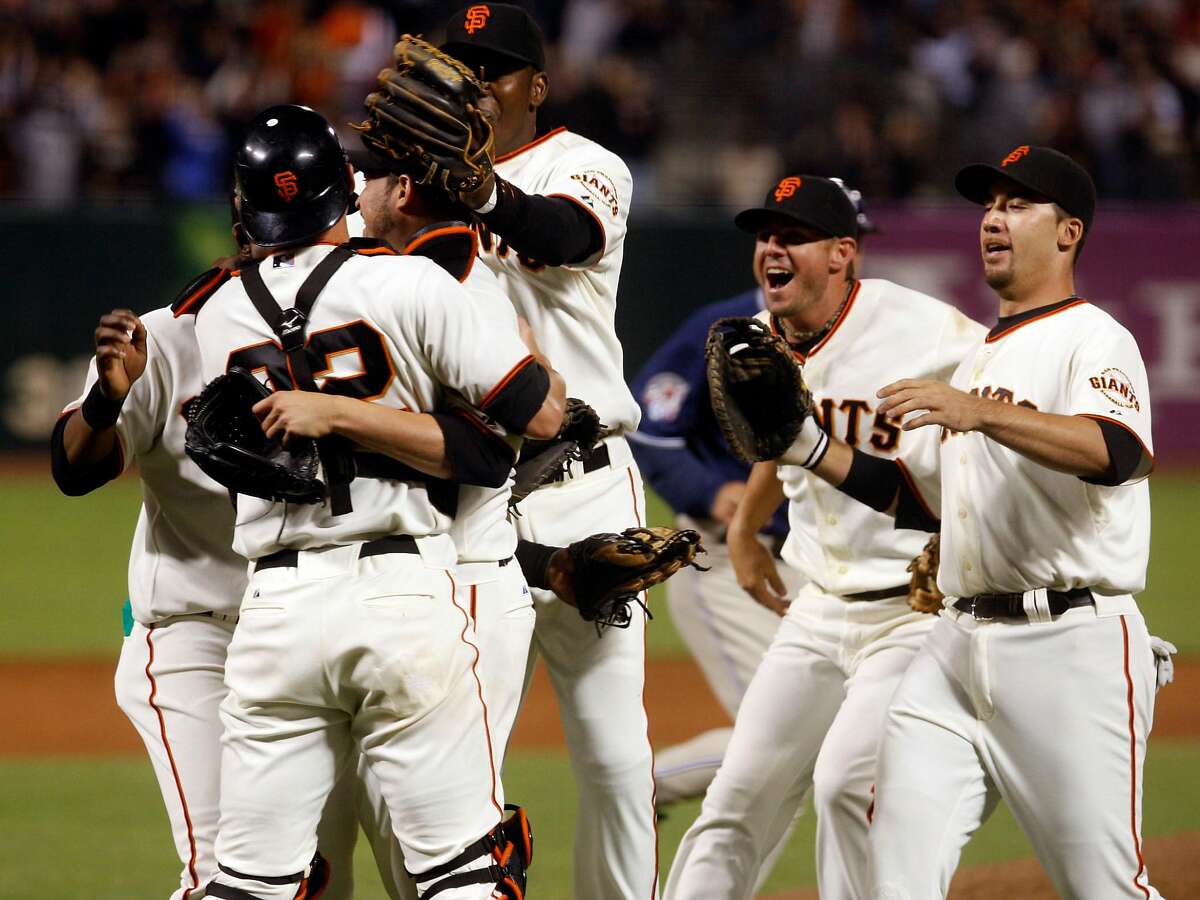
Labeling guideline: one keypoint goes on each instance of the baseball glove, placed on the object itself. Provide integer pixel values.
(225, 439)
(542, 462)
(758, 393)
(923, 593)
(426, 115)
(603, 575)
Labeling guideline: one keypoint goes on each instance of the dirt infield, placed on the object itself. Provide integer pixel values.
(35, 695)
(67, 707)
(1171, 862)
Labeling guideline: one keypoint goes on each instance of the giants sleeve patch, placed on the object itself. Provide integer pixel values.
(1117, 388)
(601, 193)
(663, 396)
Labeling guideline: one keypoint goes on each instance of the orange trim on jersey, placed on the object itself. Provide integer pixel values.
(487, 730)
(200, 291)
(992, 338)
(375, 251)
(503, 382)
(545, 137)
(912, 486)
(162, 730)
(442, 232)
(637, 517)
(1133, 780)
(474, 603)
(1120, 424)
(591, 212)
(481, 426)
(838, 322)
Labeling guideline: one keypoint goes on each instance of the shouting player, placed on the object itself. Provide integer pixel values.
(682, 454)
(552, 228)
(813, 712)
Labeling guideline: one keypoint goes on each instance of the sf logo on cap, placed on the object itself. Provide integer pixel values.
(477, 17)
(787, 188)
(1021, 151)
(285, 184)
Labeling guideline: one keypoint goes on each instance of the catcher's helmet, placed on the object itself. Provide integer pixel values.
(290, 175)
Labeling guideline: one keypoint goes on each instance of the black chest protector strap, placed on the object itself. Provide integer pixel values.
(290, 325)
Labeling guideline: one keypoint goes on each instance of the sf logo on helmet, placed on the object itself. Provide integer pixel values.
(477, 17)
(285, 184)
(1021, 151)
(787, 188)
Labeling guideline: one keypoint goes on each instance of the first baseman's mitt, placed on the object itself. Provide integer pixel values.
(923, 593)
(426, 115)
(758, 393)
(542, 462)
(225, 439)
(602, 575)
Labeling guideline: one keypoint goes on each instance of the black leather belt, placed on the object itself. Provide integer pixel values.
(395, 543)
(597, 459)
(900, 590)
(1012, 606)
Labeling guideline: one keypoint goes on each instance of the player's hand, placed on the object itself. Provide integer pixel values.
(942, 404)
(120, 352)
(298, 414)
(476, 198)
(726, 500)
(756, 572)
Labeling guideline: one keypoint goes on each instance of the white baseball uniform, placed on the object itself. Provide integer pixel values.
(1050, 712)
(185, 584)
(598, 679)
(814, 710)
(492, 588)
(345, 646)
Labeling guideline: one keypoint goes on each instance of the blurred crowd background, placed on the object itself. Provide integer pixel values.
(707, 100)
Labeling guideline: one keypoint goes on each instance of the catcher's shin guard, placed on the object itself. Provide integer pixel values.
(510, 846)
(310, 884)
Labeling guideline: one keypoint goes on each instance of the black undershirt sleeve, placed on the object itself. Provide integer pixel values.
(534, 560)
(1127, 458)
(80, 478)
(518, 401)
(878, 482)
(475, 454)
(552, 230)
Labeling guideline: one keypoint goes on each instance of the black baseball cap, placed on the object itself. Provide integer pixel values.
(496, 28)
(1044, 171)
(810, 200)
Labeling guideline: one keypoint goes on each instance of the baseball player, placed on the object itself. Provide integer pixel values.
(552, 226)
(185, 581)
(680, 450)
(1037, 684)
(814, 709)
(350, 632)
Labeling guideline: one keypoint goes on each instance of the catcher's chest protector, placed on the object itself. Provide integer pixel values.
(289, 326)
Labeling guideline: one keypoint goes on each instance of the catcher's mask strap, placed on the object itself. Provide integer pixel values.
(290, 325)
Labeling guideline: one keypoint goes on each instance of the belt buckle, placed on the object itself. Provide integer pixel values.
(976, 616)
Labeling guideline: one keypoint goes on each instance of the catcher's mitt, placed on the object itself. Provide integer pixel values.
(225, 439)
(426, 115)
(923, 593)
(542, 462)
(602, 575)
(758, 393)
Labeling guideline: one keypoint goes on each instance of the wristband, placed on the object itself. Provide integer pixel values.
(490, 203)
(99, 411)
(809, 448)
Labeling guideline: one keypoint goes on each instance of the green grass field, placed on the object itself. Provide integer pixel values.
(95, 828)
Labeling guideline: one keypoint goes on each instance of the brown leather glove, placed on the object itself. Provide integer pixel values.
(923, 593)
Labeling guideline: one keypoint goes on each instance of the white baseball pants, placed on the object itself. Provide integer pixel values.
(598, 680)
(339, 654)
(499, 603)
(1052, 717)
(811, 717)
